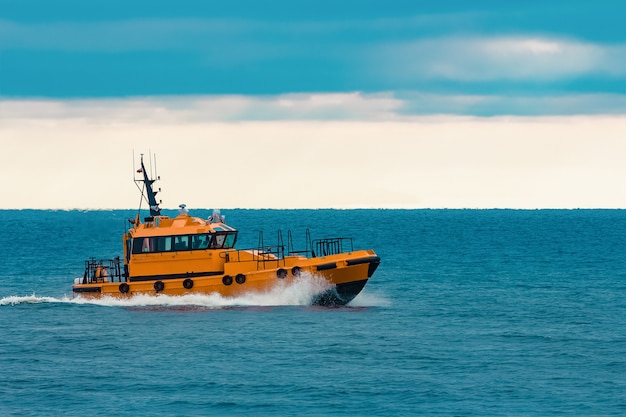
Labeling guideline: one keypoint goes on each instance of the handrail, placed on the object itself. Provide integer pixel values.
(290, 249)
(331, 246)
(314, 248)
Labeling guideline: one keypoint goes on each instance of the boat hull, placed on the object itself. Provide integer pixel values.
(339, 295)
(345, 273)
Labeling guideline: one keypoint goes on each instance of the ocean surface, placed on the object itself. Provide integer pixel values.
(471, 313)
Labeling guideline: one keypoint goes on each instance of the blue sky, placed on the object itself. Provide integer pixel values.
(475, 58)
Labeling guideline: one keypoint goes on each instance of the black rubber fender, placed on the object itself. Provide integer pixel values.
(240, 278)
(188, 283)
(124, 288)
(159, 286)
(227, 280)
(296, 271)
(281, 273)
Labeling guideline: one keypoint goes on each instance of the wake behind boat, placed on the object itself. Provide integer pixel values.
(186, 254)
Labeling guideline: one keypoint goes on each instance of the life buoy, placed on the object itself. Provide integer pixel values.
(296, 271)
(227, 280)
(188, 283)
(159, 286)
(281, 273)
(240, 278)
(124, 288)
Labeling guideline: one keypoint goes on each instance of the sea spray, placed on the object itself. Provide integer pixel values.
(297, 292)
(30, 299)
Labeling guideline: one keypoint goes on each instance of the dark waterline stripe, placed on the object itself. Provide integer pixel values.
(175, 276)
(89, 289)
(324, 267)
(369, 259)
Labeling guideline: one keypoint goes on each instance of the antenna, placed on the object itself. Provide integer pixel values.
(146, 185)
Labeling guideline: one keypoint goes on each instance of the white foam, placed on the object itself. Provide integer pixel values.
(31, 299)
(366, 299)
(299, 291)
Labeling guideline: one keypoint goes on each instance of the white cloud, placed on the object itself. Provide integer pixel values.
(497, 59)
(315, 106)
(333, 106)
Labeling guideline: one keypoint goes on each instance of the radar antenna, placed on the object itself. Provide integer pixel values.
(155, 210)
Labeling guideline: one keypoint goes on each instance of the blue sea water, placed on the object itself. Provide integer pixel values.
(471, 313)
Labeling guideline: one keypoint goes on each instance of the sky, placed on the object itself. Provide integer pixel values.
(277, 104)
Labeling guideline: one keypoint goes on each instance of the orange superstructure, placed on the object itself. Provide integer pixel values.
(187, 254)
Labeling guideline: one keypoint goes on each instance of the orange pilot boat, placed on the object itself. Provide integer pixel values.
(186, 254)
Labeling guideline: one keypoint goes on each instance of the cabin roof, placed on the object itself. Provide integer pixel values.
(182, 224)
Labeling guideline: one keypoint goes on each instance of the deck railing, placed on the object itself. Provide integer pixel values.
(268, 256)
(332, 246)
(102, 270)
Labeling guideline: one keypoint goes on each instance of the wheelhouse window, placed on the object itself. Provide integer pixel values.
(181, 242)
(224, 240)
(141, 244)
(152, 244)
(220, 240)
(200, 241)
(165, 244)
(230, 240)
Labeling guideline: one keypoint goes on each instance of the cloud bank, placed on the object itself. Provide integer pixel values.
(78, 155)
(387, 106)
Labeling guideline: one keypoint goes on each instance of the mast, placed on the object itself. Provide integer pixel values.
(155, 210)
